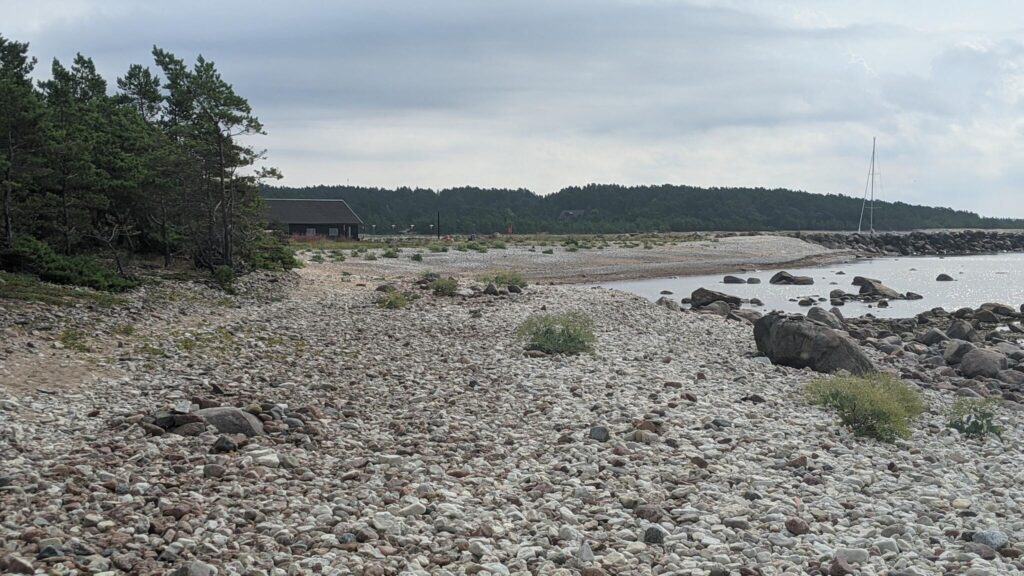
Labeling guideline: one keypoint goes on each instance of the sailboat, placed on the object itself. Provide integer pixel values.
(869, 187)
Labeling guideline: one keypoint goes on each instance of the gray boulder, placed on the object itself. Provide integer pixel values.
(869, 287)
(702, 297)
(800, 343)
(717, 307)
(962, 330)
(932, 336)
(956, 350)
(229, 420)
(733, 280)
(943, 278)
(784, 277)
(669, 303)
(825, 317)
(979, 362)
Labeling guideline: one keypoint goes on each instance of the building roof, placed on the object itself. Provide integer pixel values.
(309, 211)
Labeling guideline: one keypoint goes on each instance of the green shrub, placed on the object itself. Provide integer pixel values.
(317, 257)
(878, 406)
(369, 257)
(390, 253)
(507, 278)
(572, 249)
(568, 333)
(499, 244)
(444, 286)
(224, 277)
(416, 257)
(392, 300)
(548, 251)
(437, 248)
(270, 251)
(975, 418)
(32, 256)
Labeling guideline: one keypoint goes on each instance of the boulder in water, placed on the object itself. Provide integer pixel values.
(874, 288)
(943, 278)
(753, 280)
(798, 342)
(785, 278)
(702, 297)
(733, 280)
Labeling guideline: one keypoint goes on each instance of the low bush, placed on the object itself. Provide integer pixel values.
(877, 406)
(392, 300)
(547, 251)
(31, 256)
(568, 333)
(390, 253)
(224, 277)
(507, 278)
(974, 417)
(437, 248)
(444, 286)
(270, 251)
(416, 257)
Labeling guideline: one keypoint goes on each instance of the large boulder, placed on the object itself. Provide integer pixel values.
(784, 277)
(669, 303)
(717, 307)
(931, 337)
(875, 288)
(825, 317)
(980, 362)
(956, 350)
(999, 309)
(798, 342)
(702, 297)
(229, 420)
(962, 330)
(733, 280)
(943, 278)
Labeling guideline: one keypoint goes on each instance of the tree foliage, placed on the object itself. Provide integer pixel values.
(609, 208)
(161, 164)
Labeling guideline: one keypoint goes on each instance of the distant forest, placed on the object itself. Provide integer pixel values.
(607, 209)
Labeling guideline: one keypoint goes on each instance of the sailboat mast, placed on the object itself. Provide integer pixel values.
(871, 213)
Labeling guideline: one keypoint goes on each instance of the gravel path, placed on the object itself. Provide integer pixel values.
(614, 262)
(424, 441)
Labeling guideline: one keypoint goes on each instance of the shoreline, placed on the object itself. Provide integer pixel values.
(426, 440)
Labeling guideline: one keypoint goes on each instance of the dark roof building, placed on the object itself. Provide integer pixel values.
(313, 217)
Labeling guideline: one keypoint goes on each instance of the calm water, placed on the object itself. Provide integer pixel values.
(979, 279)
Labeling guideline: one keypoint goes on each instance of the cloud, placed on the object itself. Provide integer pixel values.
(546, 94)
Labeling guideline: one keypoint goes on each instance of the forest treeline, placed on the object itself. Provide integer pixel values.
(158, 163)
(609, 208)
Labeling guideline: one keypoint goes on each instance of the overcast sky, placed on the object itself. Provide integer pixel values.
(543, 94)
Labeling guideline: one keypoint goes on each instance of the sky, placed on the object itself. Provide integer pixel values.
(543, 94)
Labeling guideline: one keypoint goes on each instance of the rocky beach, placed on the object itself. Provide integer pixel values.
(298, 428)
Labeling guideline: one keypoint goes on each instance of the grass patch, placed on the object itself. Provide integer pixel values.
(73, 340)
(877, 406)
(507, 278)
(974, 417)
(390, 253)
(392, 300)
(444, 286)
(568, 333)
(26, 288)
(416, 257)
